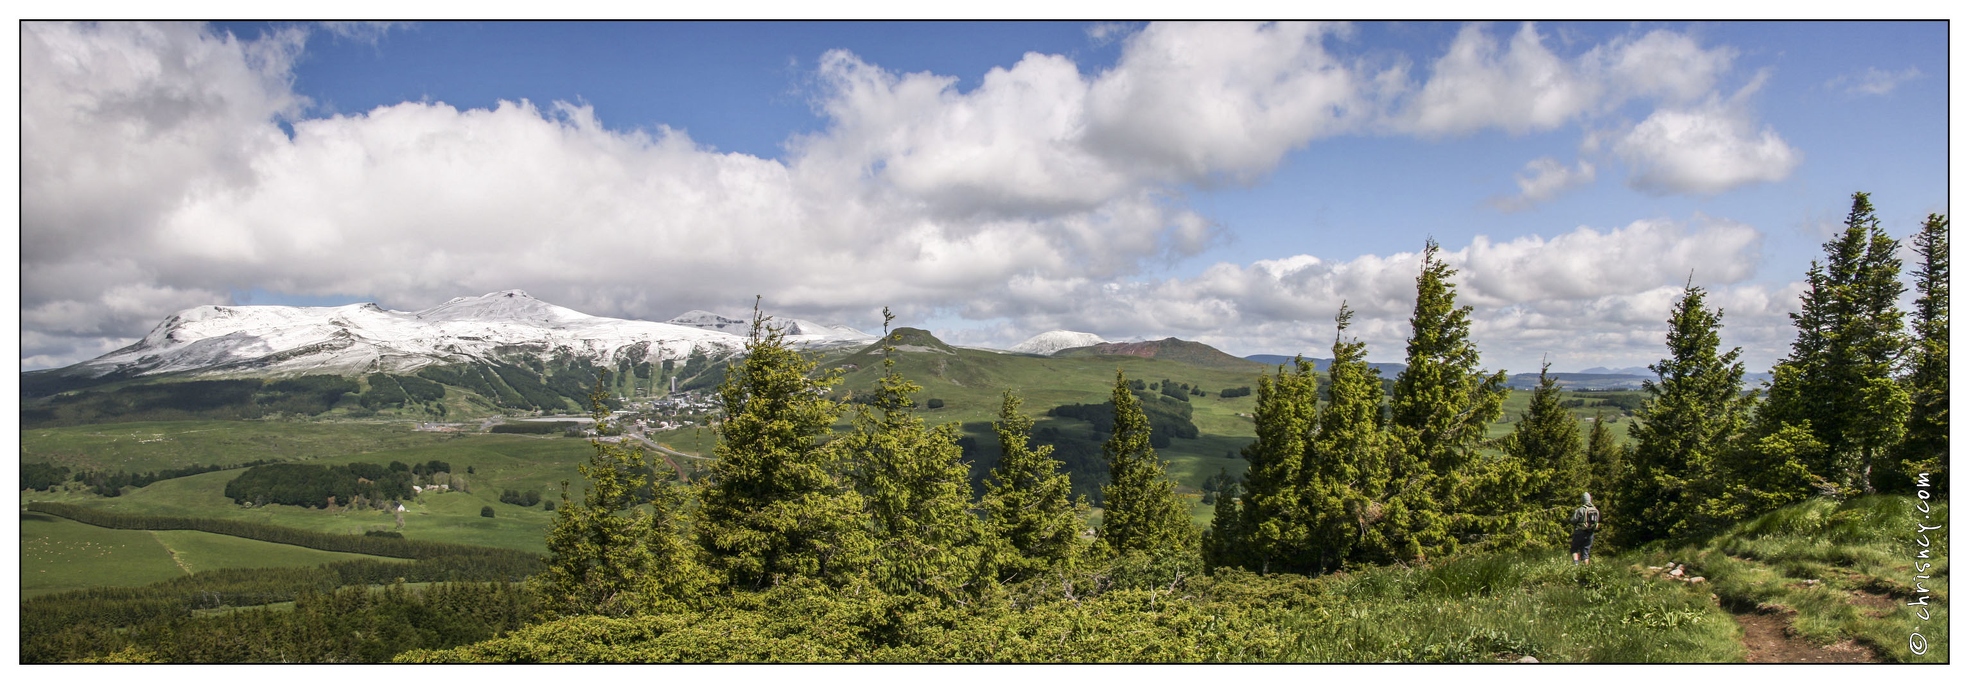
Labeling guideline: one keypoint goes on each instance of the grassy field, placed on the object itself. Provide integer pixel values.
(1518, 401)
(59, 554)
(499, 462)
(138, 447)
(1502, 607)
(1834, 572)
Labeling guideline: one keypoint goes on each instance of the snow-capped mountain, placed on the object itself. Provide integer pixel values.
(1048, 342)
(361, 338)
(710, 321)
(795, 328)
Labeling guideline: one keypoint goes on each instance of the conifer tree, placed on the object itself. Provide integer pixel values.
(1545, 462)
(1547, 438)
(1141, 511)
(1271, 531)
(1222, 543)
(1605, 460)
(1346, 469)
(1838, 380)
(607, 555)
(1925, 447)
(915, 485)
(1029, 508)
(776, 507)
(1441, 406)
(1693, 410)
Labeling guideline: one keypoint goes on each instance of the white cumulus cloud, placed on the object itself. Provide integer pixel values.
(153, 157)
(158, 172)
(1587, 297)
(1704, 149)
(1519, 87)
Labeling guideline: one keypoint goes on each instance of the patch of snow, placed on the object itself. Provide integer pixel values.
(1052, 341)
(365, 338)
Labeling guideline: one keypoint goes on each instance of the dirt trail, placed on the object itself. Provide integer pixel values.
(172, 551)
(1767, 637)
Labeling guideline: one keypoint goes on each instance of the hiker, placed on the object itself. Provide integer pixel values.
(1585, 522)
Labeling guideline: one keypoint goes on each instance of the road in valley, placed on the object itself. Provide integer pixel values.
(666, 453)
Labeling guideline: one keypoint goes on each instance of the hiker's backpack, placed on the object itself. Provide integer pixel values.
(1591, 523)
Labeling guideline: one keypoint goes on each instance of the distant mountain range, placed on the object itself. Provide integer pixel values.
(1388, 370)
(220, 341)
(511, 326)
(1580, 381)
(1630, 370)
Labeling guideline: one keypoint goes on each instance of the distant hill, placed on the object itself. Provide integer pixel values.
(1051, 341)
(1169, 349)
(1580, 381)
(1614, 381)
(1388, 370)
(1630, 370)
(906, 341)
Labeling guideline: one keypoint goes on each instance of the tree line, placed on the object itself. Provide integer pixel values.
(886, 505)
(1860, 405)
(1341, 474)
(323, 486)
(336, 616)
(110, 483)
(1169, 418)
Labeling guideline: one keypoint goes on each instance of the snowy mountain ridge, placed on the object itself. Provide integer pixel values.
(365, 338)
(794, 327)
(1051, 341)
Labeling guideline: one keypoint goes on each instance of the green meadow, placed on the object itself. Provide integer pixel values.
(144, 446)
(969, 383)
(58, 555)
(498, 462)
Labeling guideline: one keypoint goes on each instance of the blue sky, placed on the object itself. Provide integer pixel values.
(1225, 183)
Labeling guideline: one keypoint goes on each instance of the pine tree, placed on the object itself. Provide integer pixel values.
(1606, 462)
(1028, 503)
(1441, 407)
(1272, 527)
(1547, 438)
(606, 554)
(1544, 453)
(1925, 447)
(1222, 544)
(1345, 476)
(1838, 380)
(915, 485)
(776, 507)
(1141, 511)
(1693, 411)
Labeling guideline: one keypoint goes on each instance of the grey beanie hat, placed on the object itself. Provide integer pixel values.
(1588, 496)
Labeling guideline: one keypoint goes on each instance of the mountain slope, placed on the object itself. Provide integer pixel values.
(1168, 349)
(1048, 342)
(220, 341)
